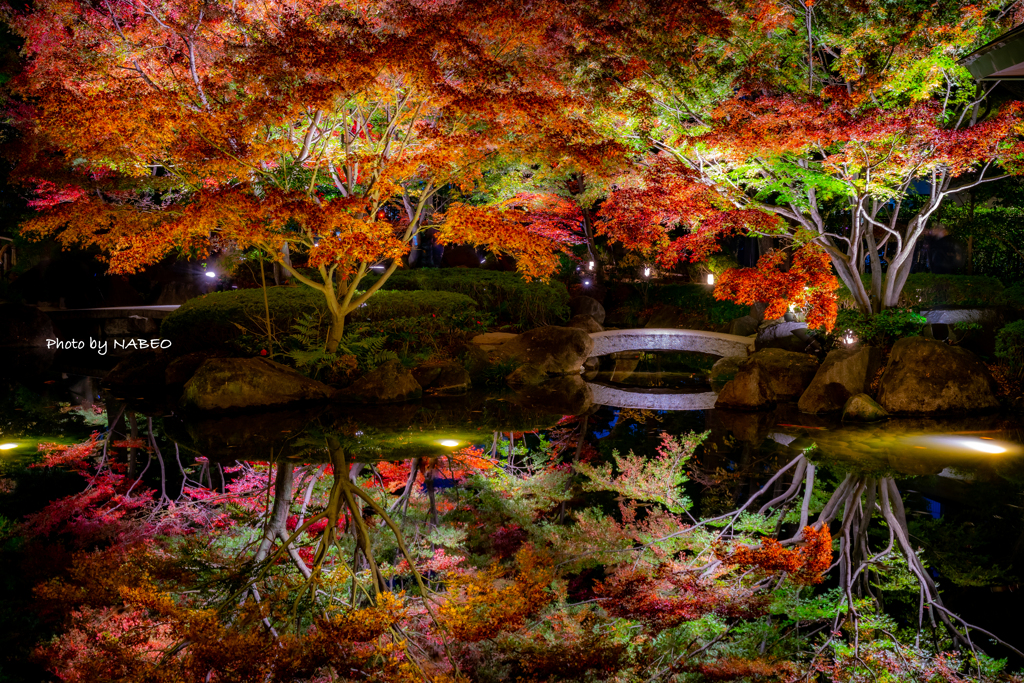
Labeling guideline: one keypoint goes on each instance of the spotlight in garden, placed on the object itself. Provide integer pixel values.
(210, 273)
(7, 446)
(647, 271)
(849, 338)
(586, 283)
(448, 443)
(711, 278)
(590, 266)
(377, 267)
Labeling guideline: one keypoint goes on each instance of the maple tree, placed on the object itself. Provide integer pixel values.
(297, 130)
(851, 125)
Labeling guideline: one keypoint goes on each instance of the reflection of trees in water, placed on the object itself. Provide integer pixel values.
(318, 548)
(859, 499)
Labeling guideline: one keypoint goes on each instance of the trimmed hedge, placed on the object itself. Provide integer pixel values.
(213, 320)
(928, 290)
(1010, 346)
(505, 295)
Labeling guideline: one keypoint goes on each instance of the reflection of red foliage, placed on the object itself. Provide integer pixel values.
(732, 668)
(668, 598)
(804, 564)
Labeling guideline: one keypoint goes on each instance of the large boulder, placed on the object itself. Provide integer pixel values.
(724, 370)
(789, 336)
(491, 341)
(181, 369)
(555, 350)
(585, 305)
(863, 408)
(389, 382)
(926, 376)
(446, 378)
(586, 323)
(744, 326)
(235, 383)
(750, 389)
(788, 372)
(844, 373)
(24, 326)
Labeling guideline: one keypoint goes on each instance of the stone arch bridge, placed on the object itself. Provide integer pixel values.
(669, 339)
(661, 339)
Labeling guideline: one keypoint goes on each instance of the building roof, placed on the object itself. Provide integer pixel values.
(1000, 60)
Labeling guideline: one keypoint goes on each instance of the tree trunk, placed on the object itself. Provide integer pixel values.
(276, 525)
(336, 333)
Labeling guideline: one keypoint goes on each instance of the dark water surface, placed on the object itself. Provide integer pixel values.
(962, 478)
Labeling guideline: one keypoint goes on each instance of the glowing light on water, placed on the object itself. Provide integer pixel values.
(965, 444)
(449, 443)
(981, 446)
(7, 446)
(711, 278)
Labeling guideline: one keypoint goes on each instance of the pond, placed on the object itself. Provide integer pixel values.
(959, 480)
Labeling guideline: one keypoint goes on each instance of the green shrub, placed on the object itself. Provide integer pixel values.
(237, 318)
(506, 295)
(1010, 346)
(696, 298)
(388, 304)
(882, 329)
(928, 290)
(214, 319)
(1013, 297)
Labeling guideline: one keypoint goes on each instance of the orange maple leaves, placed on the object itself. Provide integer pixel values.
(807, 283)
(805, 564)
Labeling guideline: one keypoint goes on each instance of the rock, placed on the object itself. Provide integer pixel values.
(724, 370)
(925, 376)
(748, 390)
(180, 370)
(591, 369)
(387, 383)
(863, 408)
(25, 326)
(447, 378)
(744, 326)
(757, 311)
(234, 383)
(555, 350)
(782, 336)
(526, 375)
(474, 359)
(844, 373)
(788, 372)
(585, 305)
(586, 323)
(491, 341)
(561, 395)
